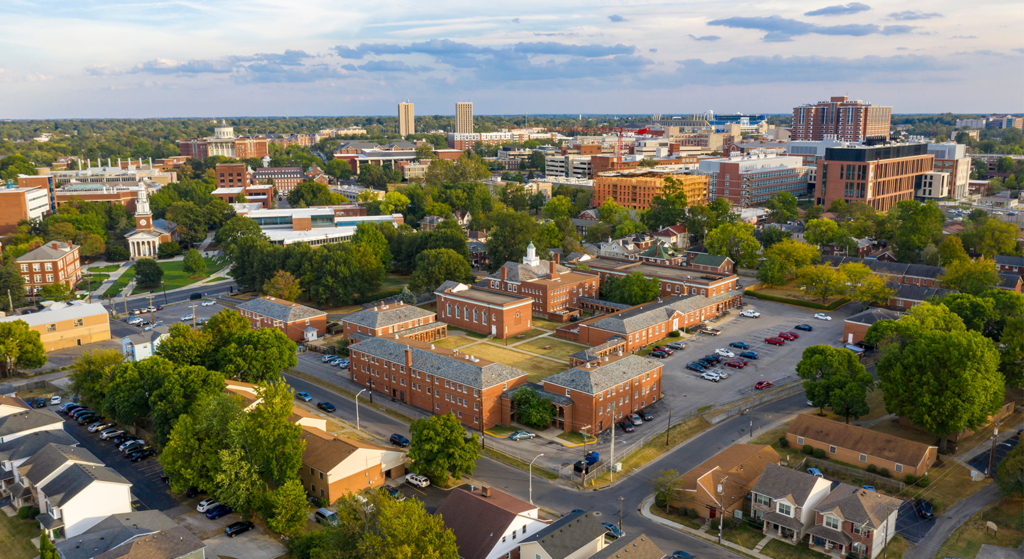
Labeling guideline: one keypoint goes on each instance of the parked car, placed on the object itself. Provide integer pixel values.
(399, 440)
(39, 403)
(207, 504)
(67, 407)
(133, 450)
(195, 296)
(681, 555)
(720, 373)
(822, 316)
(658, 354)
(750, 313)
(208, 303)
(749, 355)
(188, 317)
(101, 426)
(111, 433)
(343, 364)
(87, 418)
(326, 406)
(725, 352)
(735, 364)
(664, 349)
(635, 418)
(328, 358)
(119, 440)
(695, 367)
(924, 509)
(132, 447)
(627, 426)
(712, 357)
(706, 363)
(325, 517)
(775, 341)
(55, 400)
(417, 480)
(870, 488)
(304, 396)
(762, 384)
(521, 435)
(613, 530)
(393, 493)
(804, 327)
(711, 331)
(218, 511)
(815, 472)
(75, 412)
(677, 345)
(739, 345)
(191, 492)
(235, 528)
(710, 375)
(646, 415)
(142, 454)
(787, 336)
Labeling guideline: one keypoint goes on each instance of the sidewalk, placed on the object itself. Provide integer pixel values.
(645, 511)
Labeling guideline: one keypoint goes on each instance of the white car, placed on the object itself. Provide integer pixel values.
(134, 320)
(822, 316)
(187, 317)
(206, 504)
(208, 303)
(417, 480)
(725, 353)
(720, 373)
(750, 313)
(709, 375)
(55, 401)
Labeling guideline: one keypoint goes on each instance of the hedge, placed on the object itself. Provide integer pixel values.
(808, 304)
(819, 453)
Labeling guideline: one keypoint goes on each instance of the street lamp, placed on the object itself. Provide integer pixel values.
(357, 407)
(531, 476)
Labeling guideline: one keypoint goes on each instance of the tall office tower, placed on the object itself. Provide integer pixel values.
(841, 119)
(464, 118)
(406, 119)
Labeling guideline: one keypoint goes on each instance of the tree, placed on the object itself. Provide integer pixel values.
(951, 249)
(633, 289)
(434, 267)
(855, 273)
(234, 229)
(822, 281)
(224, 326)
(773, 271)
(20, 347)
(194, 265)
(186, 346)
(1011, 360)
(769, 236)
(1010, 473)
(821, 231)
(91, 373)
(976, 312)
(168, 249)
(58, 291)
(970, 276)
(287, 508)
(148, 273)
(440, 446)
(735, 240)
(829, 375)
(307, 194)
(181, 390)
(46, 547)
(340, 273)
(794, 253)
(258, 355)
(11, 283)
(559, 206)
(939, 375)
(532, 410)
(126, 400)
(873, 290)
(666, 487)
(191, 457)
(782, 208)
(369, 235)
(992, 238)
(510, 234)
(393, 202)
(812, 213)
(407, 297)
(283, 286)
(919, 225)
(190, 221)
(668, 207)
(536, 202)
(90, 245)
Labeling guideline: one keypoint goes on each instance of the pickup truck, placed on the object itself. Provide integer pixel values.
(711, 331)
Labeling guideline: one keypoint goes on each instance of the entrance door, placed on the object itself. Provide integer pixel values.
(494, 330)
(712, 513)
(401, 395)
(675, 323)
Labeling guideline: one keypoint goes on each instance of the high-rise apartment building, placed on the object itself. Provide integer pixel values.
(464, 118)
(841, 119)
(406, 119)
(879, 176)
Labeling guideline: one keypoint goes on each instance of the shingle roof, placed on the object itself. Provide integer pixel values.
(649, 314)
(441, 362)
(640, 547)
(594, 353)
(25, 446)
(872, 316)
(27, 420)
(15, 402)
(779, 482)
(106, 540)
(671, 273)
(51, 457)
(280, 309)
(568, 534)
(660, 251)
(75, 479)
(672, 231)
(740, 463)
(859, 439)
(384, 317)
(705, 259)
(165, 544)
(922, 271)
(479, 522)
(1009, 260)
(47, 252)
(603, 377)
(325, 451)
(858, 505)
(1009, 280)
(918, 292)
(519, 272)
(148, 336)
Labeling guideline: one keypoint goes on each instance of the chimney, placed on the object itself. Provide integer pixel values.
(485, 491)
(504, 273)
(552, 268)
(557, 258)
(408, 356)
(54, 245)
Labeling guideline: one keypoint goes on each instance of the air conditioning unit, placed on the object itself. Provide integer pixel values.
(617, 467)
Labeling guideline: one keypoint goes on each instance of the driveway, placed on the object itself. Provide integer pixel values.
(980, 462)
(910, 526)
(254, 544)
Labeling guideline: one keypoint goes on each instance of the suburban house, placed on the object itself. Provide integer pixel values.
(333, 468)
(674, 280)
(855, 327)
(298, 322)
(784, 499)
(860, 446)
(11, 405)
(15, 424)
(577, 535)
(711, 263)
(675, 236)
(662, 255)
(43, 466)
(463, 218)
(488, 524)
(639, 547)
(395, 319)
(490, 313)
(734, 470)
(15, 452)
(71, 324)
(478, 254)
(430, 222)
(144, 344)
(1009, 264)
(853, 519)
(247, 392)
(1011, 281)
(147, 534)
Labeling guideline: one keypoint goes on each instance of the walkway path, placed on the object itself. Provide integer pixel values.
(703, 533)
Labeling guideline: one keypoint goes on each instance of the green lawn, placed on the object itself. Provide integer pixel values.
(538, 367)
(745, 535)
(551, 347)
(392, 281)
(121, 282)
(16, 538)
(576, 437)
(174, 275)
(669, 339)
(103, 269)
(502, 430)
(674, 517)
(545, 323)
(782, 550)
(1007, 515)
(95, 280)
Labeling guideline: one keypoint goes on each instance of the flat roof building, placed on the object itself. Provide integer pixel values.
(842, 119)
(63, 325)
(752, 179)
(878, 175)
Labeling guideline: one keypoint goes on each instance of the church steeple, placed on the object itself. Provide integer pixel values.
(143, 216)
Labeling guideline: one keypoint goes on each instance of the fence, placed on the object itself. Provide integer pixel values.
(856, 474)
(749, 402)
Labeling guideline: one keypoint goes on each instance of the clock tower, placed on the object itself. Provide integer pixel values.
(143, 217)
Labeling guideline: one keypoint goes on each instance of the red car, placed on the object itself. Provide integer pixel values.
(663, 349)
(787, 336)
(762, 384)
(736, 364)
(774, 341)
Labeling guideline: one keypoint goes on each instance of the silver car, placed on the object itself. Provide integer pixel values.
(710, 375)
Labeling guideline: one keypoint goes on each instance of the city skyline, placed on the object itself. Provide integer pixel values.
(179, 59)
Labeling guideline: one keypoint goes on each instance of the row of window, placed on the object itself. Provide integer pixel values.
(862, 458)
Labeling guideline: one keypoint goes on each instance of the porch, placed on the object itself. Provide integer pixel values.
(829, 541)
(782, 527)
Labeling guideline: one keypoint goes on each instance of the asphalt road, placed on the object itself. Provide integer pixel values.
(139, 300)
(980, 462)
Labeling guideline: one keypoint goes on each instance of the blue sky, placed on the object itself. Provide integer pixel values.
(85, 58)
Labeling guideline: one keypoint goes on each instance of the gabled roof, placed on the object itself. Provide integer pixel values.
(519, 272)
(872, 316)
(858, 505)
(640, 547)
(712, 260)
(597, 379)
(568, 534)
(325, 451)
(117, 529)
(922, 271)
(27, 420)
(171, 543)
(384, 317)
(47, 252)
(147, 336)
(671, 231)
(660, 251)
(779, 482)
(858, 439)
(740, 463)
(72, 481)
(280, 309)
(51, 458)
(58, 312)
(15, 402)
(479, 522)
(917, 292)
(26, 446)
(649, 314)
(1009, 280)
(1009, 260)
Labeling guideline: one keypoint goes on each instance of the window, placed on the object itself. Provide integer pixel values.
(858, 530)
(51, 327)
(863, 457)
(311, 471)
(524, 529)
(832, 522)
(785, 509)
(321, 475)
(762, 499)
(899, 467)
(78, 322)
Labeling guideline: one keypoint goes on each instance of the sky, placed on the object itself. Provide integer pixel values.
(215, 58)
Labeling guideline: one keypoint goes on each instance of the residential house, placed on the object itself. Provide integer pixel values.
(488, 524)
(628, 247)
(856, 326)
(147, 534)
(662, 255)
(463, 218)
(639, 547)
(392, 320)
(333, 468)
(577, 535)
(883, 254)
(430, 222)
(45, 464)
(854, 520)
(143, 345)
(862, 447)
(722, 482)
(11, 405)
(16, 424)
(298, 322)
(63, 325)
(50, 263)
(478, 254)
(15, 452)
(712, 263)
(486, 312)
(675, 236)
(784, 499)
(907, 296)
(1010, 282)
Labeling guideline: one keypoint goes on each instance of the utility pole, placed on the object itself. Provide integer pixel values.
(586, 466)
(992, 453)
(669, 426)
(152, 319)
(611, 457)
(885, 534)
(721, 511)
(194, 316)
(124, 299)
(620, 514)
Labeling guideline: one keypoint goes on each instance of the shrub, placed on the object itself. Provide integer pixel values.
(872, 468)
(714, 524)
(674, 333)
(323, 502)
(660, 500)
(910, 479)
(884, 472)
(168, 250)
(117, 253)
(923, 481)
(26, 513)
(809, 304)
(783, 442)
(808, 449)
(819, 453)
(692, 513)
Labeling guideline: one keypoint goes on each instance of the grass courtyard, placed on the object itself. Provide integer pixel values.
(551, 347)
(174, 276)
(103, 269)
(538, 367)
(16, 537)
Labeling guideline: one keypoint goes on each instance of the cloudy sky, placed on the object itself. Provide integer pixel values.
(130, 58)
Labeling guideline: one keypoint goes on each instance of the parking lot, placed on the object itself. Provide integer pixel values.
(170, 314)
(689, 393)
(147, 487)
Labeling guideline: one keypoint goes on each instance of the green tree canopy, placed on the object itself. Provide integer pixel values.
(782, 208)
(735, 240)
(234, 229)
(11, 282)
(307, 194)
(434, 267)
(633, 289)
(340, 273)
(835, 377)
(258, 355)
(148, 273)
(970, 276)
(822, 281)
(511, 233)
(194, 264)
(20, 347)
(92, 372)
(440, 447)
(283, 286)
(668, 207)
(532, 410)
(369, 234)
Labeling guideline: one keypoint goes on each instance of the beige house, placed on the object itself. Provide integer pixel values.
(333, 468)
(784, 499)
(722, 482)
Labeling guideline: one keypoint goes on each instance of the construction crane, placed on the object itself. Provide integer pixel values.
(618, 146)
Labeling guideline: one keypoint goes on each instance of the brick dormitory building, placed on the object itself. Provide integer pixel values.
(397, 320)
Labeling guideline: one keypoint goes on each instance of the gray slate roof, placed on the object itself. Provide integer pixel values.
(47, 252)
(72, 481)
(858, 505)
(559, 399)
(25, 446)
(872, 316)
(148, 336)
(279, 309)
(779, 482)
(640, 547)
(568, 534)
(51, 457)
(29, 419)
(395, 314)
(1009, 260)
(649, 314)
(918, 293)
(519, 272)
(1008, 280)
(599, 379)
(115, 530)
(456, 368)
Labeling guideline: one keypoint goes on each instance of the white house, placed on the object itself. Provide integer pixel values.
(48, 462)
(487, 523)
(79, 498)
(144, 344)
(16, 452)
(785, 499)
(17, 422)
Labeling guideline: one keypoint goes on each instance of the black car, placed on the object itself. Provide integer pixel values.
(804, 327)
(658, 354)
(70, 409)
(140, 455)
(236, 528)
(706, 363)
(87, 417)
(748, 355)
(712, 358)
(627, 426)
(739, 345)
(326, 406)
(191, 492)
(924, 509)
(121, 439)
(165, 479)
(129, 452)
(646, 415)
(132, 447)
(695, 367)
(393, 493)
(40, 403)
(399, 440)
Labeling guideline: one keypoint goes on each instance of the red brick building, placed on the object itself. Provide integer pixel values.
(674, 280)
(224, 142)
(283, 178)
(53, 262)
(485, 312)
(394, 320)
(880, 176)
(853, 121)
(555, 289)
(298, 322)
(437, 380)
